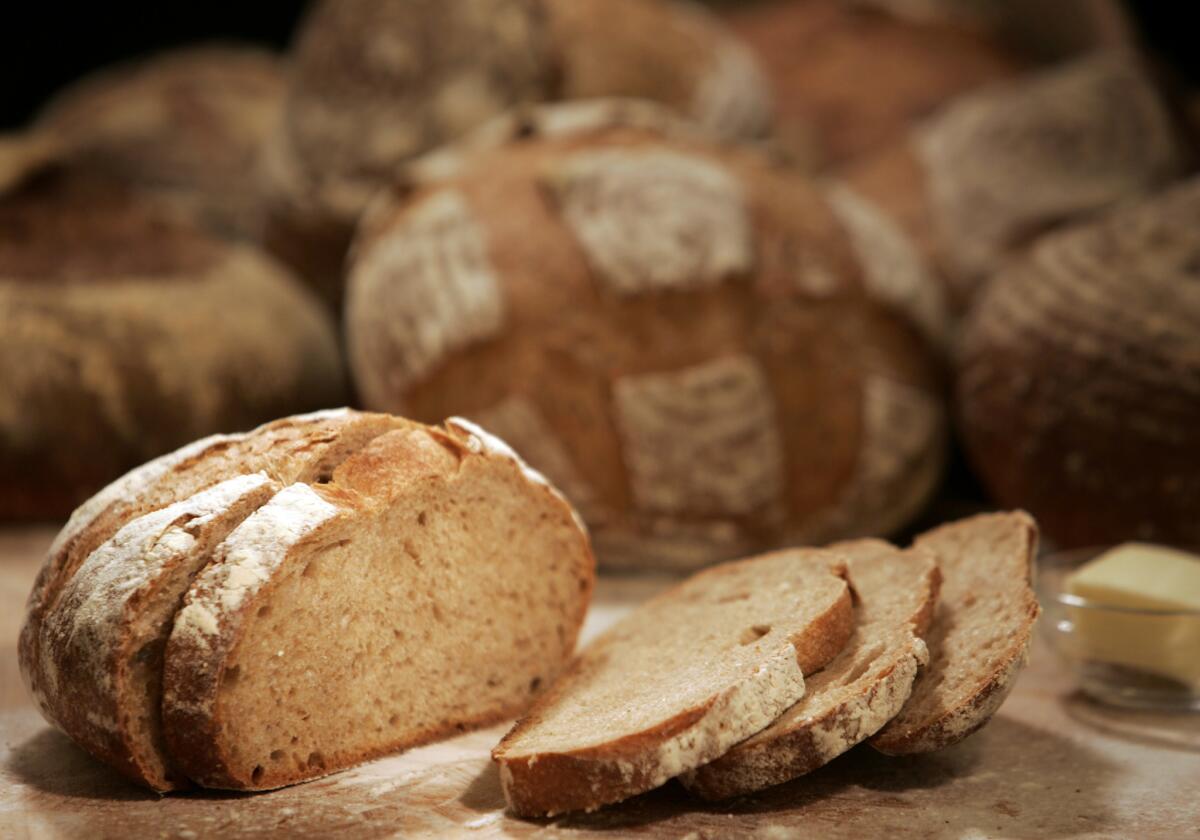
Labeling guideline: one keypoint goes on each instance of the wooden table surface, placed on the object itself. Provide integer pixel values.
(1050, 765)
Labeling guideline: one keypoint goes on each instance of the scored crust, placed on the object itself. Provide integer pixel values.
(981, 632)
(854, 695)
(678, 682)
(298, 448)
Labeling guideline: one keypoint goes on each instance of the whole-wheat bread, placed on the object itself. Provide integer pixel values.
(854, 695)
(678, 682)
(411, 523)
(980, 635)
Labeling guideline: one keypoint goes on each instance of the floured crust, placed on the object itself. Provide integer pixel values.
(999, 549)
(108, 625)
(855, 694)
(301, 447)
(547, 767)
(734, 364)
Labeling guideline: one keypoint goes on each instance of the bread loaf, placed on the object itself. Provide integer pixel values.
(321, 590)
(675, 684)
(187, 124)
(129, 331)
(996, 167)
(1079, 380)
(709, 355)
(858, 692)
(849, 80)
(372, 87)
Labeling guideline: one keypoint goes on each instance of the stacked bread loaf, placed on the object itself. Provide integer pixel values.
(707, 353)
(129, 330)
(371, 88)
(258, 609)
(1079, 382)
(998, 166)
(187, 124)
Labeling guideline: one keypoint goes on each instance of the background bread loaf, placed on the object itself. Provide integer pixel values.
(848, 79)
(187, 124)
(691, 340)
(996, 167)
(375, 84)
(129, 331)
(1079, 383)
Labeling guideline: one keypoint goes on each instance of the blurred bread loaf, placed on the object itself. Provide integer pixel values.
(377, 83)
(848, 80)
(188, 124)
(128, 330)
(1079, 383)
(709, 355)
(996, 167)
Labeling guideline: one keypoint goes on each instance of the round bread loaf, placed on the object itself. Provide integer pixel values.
(375, 84)
(998, 166)
(187, 124)
(848, 80)
(706, 353)
(128, 331)
(1079, 385)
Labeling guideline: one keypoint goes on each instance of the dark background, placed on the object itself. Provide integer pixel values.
(44, 47)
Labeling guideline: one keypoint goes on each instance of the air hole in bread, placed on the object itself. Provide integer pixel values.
(277, 755)
(535, 684)
(422, 518)
(232, 675)
(263, 612)
(310, 569)
(393, 720)
(257, 775)
(753, 633)
(316, 760)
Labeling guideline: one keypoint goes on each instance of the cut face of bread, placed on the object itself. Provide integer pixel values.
(431, 585)
(854, 695)
(980, 635)
(678, 682)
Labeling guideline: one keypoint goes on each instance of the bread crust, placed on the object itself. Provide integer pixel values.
(673, 366)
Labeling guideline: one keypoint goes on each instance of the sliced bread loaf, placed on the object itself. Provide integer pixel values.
(433, 584)
(854, 695)
(980, 635)
(426, 521)
(678, 682)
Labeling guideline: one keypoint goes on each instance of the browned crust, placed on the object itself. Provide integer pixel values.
(977, 708)
(587, 778)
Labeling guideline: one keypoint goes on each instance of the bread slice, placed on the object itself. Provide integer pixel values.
(854, 695)
(981, 632)
(678, 682)
(115, 614)
(432, 584)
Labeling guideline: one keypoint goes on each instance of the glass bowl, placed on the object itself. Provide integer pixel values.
(1122, 656)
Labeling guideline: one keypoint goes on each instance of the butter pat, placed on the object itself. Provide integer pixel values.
(1140, 576)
